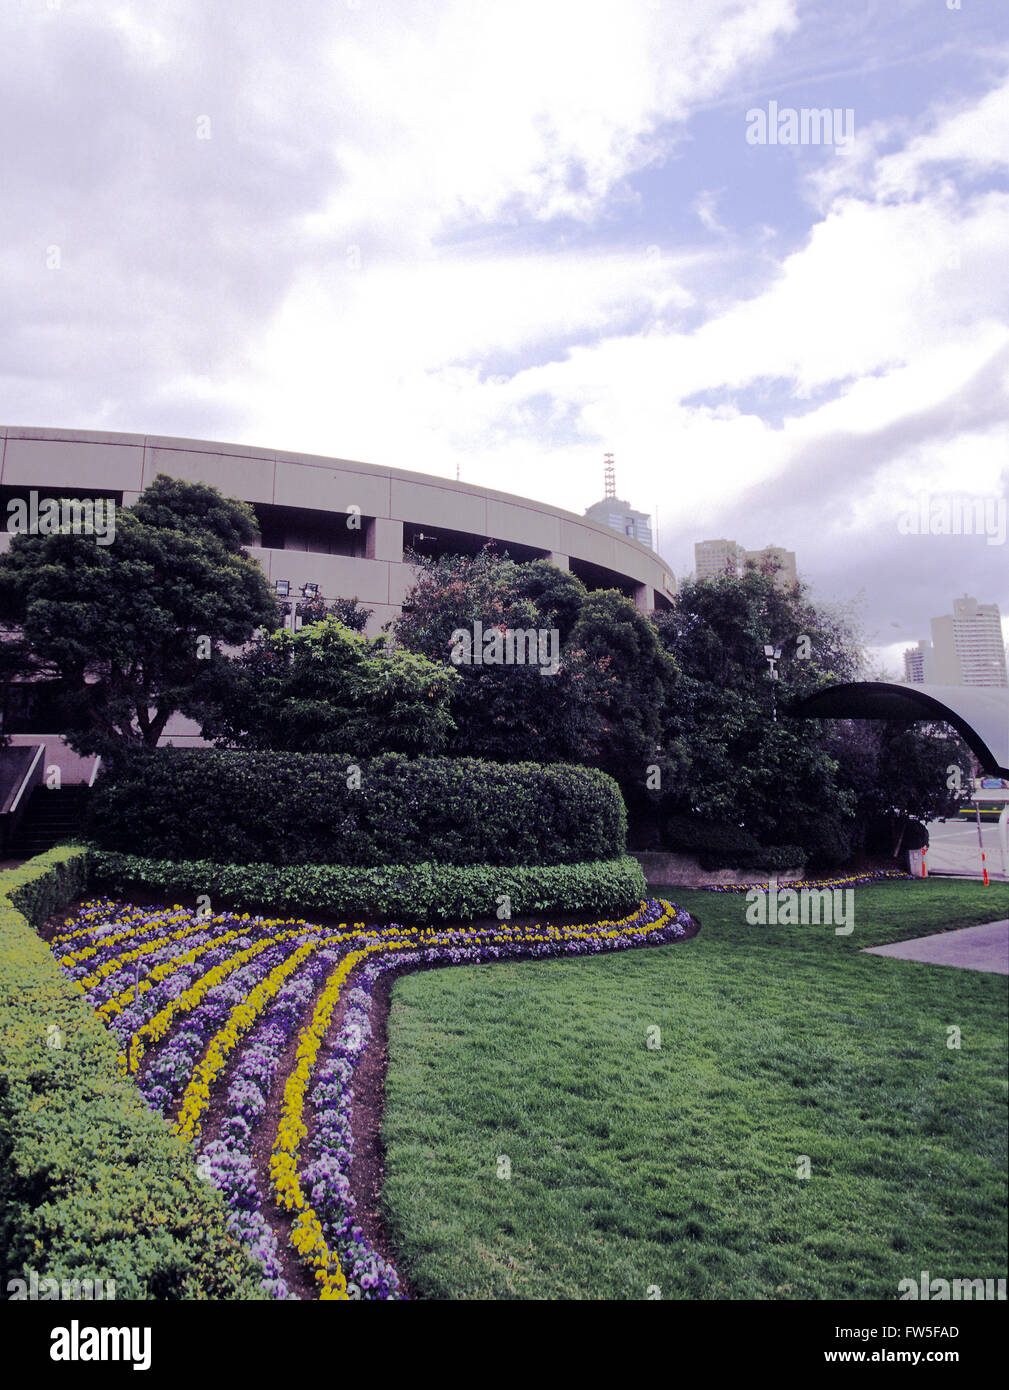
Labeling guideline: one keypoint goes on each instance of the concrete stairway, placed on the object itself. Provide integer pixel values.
(50, 818)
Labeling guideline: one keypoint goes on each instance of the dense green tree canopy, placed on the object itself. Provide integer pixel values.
(129, 629)
(511, 713)
(638, 688)
(603, 702)
(898, 772)
(807, 782)
(328, 689)
(750, 764)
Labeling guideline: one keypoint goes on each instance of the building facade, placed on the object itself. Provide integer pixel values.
(786, 574)
(347, 526)
(966, 648)
(621, 516)
(713, 558)
(967, 645)
(918, 664)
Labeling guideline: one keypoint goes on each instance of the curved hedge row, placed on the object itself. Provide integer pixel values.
(395, 892)
(92, 1184)
(314, 808)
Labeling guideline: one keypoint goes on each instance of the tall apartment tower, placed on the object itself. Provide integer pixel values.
(967, 645)
(918, 663)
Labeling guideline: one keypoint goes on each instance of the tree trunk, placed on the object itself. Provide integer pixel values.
(902, 822)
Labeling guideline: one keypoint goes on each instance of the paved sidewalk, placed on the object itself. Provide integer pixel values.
(971, 948)
(953, 849)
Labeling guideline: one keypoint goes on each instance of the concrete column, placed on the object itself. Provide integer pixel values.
(644, 597)
(384, 540)
(563, 562)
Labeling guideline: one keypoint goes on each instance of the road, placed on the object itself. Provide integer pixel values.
(953, 848)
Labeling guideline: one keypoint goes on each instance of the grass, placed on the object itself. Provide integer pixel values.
(672, 1172)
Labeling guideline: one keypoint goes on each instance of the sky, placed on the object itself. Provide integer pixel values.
(507, 237)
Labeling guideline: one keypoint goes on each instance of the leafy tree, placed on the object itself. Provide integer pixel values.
(898, 772)
(347, 610)
(506, 713)
(453, 592)
(639, 679)
(131, 629)
(558, 595)
(604, 706)
(328, 689)
(750, 764)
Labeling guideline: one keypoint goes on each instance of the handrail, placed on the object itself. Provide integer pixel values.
(27, 777)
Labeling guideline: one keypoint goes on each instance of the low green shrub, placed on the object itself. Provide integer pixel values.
(718, 846)
(393, 892)
(93, 1185)
(297, 808)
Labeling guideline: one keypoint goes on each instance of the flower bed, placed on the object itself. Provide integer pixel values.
(204, 1009)
(837, 881)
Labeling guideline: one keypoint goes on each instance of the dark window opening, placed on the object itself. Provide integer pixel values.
(319, 532)
(599, 577)
(32, 707)
(23, 491)
(436, 541)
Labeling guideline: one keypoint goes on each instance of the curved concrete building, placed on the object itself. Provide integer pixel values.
(337, 523)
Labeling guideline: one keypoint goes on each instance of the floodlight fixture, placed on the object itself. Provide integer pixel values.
(772, 653)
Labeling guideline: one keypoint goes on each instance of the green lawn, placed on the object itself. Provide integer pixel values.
(677, 1167)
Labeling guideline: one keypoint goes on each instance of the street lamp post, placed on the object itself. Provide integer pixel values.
(773, 655)
(282, 589)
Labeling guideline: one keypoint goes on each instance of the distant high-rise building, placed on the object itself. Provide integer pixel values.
(620, 516)
(713, 558)
(786, 574)
(918, 663)
(967, 645)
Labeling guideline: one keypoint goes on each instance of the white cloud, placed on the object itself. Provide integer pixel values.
(971, 137)
(526, 109)
(403, 363)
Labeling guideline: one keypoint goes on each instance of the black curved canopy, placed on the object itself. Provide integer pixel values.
(980, 714)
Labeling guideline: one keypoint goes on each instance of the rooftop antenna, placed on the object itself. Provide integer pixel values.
(609, 477)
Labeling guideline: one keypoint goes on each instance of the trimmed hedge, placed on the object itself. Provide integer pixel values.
(45, 884)
(296, 808)
(394, 892)
(93, 1185)
(717, 846)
